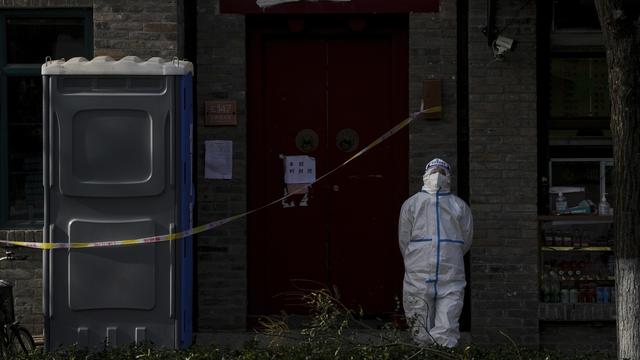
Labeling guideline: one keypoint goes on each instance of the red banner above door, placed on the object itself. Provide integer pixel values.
(330, 7)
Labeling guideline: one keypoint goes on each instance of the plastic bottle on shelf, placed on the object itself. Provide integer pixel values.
(583, 293)
(612, 294)
(573, 295)
(554, 287)
(577, 238)
(601, 271)
(564, 296)
(561, 270)
(600, 291)
(611, 265)
(603, 206)
(563, 283)
(561, 204)
(592, 293)
(557, 238)
(590, 270)
(611, 234)
(545, 295)
(573, 274)
(548, 238)
(570, 273)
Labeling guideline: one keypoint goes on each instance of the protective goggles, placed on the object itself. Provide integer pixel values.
(437, 165)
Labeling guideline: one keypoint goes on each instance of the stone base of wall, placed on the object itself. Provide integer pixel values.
(579, 338)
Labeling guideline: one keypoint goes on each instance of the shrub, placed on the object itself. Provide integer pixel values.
(332, 332)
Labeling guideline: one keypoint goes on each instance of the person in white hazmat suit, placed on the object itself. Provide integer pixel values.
(435, 231)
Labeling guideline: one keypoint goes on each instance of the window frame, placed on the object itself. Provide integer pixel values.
(8, 70)
(573, 55)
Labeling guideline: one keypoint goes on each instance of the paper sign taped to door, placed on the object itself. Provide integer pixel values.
(218, 162)
(299, 169)
(267, 3)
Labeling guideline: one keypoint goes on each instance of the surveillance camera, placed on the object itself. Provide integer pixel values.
(501, 45)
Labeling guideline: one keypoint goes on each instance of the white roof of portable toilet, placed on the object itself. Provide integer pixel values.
(128, 65)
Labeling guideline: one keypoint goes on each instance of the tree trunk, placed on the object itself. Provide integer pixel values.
(621, 30)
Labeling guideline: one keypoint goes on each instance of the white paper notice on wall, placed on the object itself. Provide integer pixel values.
(267, 3)
(218, 159)
(300, 169)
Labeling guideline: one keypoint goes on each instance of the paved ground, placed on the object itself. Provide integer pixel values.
(237, 339)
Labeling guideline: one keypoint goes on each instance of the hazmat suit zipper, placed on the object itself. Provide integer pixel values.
(435, 283)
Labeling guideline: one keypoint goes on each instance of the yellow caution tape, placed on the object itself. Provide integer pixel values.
(214, 224)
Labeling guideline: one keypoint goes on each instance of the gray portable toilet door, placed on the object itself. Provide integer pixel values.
(112, 178)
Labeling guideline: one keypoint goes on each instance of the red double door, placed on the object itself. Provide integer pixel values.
(326, 87)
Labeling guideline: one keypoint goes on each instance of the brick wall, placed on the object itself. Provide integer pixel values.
(503, 162)
(143, 28)
(432, 51)
(26, 277)
(570, 339)
(222, 252)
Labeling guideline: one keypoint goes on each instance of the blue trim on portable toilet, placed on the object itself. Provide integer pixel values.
(186, 209)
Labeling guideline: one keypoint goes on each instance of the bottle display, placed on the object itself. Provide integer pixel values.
(577, 262)
(578, 281)
(603, 206)
(577, 236)
(561, 203)
(577, 240)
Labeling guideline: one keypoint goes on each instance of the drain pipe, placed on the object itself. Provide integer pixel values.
(489, 29)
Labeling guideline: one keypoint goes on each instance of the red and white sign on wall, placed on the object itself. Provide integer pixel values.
(326, 6)
(220, 113)
(266, 3)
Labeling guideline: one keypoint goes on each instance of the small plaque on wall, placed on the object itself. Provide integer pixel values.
(220, 113)
(432, 99)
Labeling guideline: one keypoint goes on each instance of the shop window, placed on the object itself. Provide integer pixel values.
(575, 15)
(576, 230)
(24, 114)
(28, 38)
(54, 37)
(579, 89)
(594, 176)
(579, 100)
(577, 113)
(579, 136)
(579, 105)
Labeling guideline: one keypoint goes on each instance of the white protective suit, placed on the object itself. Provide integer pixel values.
(435, 231)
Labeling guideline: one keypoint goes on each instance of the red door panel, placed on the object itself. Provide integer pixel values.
(363, 249)
(293, 240)
(347, 236)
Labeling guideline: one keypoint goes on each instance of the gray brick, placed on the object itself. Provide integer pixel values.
(503, 157)
(126, 20)
(222, 267)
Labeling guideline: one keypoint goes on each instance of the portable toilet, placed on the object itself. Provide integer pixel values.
(117, 165)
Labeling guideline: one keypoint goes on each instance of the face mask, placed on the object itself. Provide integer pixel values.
(436, 181)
